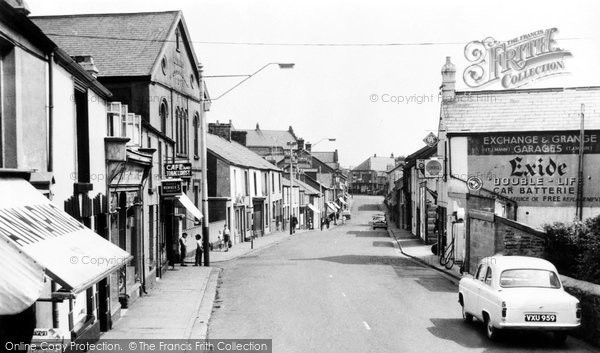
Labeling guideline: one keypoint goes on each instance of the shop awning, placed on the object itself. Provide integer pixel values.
(342, 200)
(331, 206)
(313, 208)
(71, 254)
(22, 280)
(189, 205)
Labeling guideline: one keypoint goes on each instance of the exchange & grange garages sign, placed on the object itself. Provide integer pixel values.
(537, 168)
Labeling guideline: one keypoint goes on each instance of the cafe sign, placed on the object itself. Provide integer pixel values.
(537, 168)
(516, 62)
(178, 170)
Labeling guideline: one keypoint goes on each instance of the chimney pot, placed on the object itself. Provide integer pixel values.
(257, 127)
(448, 80)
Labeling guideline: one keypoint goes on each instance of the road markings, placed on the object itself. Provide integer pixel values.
(366, 325)
(343, 294)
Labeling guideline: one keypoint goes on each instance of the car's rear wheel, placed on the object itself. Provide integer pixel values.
(490, 330)
(466, 316)
(560, 337)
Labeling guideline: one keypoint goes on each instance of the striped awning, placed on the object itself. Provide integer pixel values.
(313, 208)
(341, 200)
(47, 238)
(332, 206)
(189, 205)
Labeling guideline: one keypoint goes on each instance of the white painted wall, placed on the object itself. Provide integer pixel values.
(64, 140)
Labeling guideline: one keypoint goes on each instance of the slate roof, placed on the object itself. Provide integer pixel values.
(327, 158)
(121, 44)
(307, 188)
(269, 138)
(236, 154)
(379, 164)
(553, 109)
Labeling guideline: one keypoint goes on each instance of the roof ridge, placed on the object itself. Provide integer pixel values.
(106, 14)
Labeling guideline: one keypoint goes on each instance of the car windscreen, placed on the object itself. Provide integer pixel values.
(529, 278)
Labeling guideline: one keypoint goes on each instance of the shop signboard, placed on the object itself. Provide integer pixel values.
(171, 187)
(537, 168)
(178, 170)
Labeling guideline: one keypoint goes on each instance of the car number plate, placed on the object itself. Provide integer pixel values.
(540, 317)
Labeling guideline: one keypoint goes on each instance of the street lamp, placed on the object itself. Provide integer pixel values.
(203, 148)
(247, 77)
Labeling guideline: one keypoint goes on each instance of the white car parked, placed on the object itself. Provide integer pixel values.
(518, 292)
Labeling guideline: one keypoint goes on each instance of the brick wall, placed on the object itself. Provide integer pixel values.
(490, 234)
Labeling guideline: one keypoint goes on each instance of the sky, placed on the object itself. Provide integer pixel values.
(372, 97)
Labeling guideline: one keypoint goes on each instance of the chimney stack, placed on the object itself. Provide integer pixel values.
(20, 6)
(87, 62)
(221, 130)
(300, 144)
(257, 127)
(448, 80)
(308, 146)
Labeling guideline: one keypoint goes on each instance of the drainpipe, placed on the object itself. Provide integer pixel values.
(50, 111)
(55, 313)
(580, 166)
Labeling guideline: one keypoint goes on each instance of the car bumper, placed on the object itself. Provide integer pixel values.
(538, 326)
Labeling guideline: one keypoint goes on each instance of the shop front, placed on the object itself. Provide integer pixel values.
(127, 171)
(175, 206)
(53, 266)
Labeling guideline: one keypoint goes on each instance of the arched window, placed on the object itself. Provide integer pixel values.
(163, 112)
(186, 136)
(177, 131)
(196, 127)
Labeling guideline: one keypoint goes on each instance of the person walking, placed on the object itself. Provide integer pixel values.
(182, 248)
(327, 222)
(226, 238)
(293, 224)
(199, 250)
(322, 222)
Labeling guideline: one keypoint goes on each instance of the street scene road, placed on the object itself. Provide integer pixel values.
(349, 289)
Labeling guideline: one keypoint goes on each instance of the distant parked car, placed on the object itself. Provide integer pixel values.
(521, 293)
(346, 214)
(379, 221)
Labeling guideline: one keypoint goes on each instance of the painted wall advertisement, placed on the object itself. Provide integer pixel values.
(537, 168)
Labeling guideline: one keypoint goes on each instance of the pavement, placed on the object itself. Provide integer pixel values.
(415, 248)
(181, 303)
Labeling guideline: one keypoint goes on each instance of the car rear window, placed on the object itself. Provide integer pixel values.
(529, 278)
